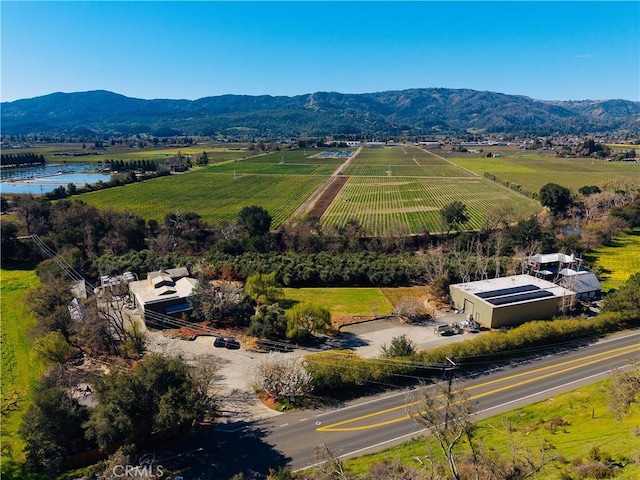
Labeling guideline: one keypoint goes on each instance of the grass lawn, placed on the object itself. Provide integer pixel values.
(618, 261)
(571, 425)
(344, 302)
(20, 367)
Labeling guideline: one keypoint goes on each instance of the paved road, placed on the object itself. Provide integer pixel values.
(379, 422)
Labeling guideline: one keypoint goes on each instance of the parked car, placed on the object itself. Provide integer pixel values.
(227, 342)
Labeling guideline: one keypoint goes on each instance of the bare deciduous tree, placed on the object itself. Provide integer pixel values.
(205, 372)
(625, 389)
(330, 466)
(409, 308)
(445, 411)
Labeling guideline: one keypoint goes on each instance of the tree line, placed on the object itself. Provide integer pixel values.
(134, 165)
(21, 160)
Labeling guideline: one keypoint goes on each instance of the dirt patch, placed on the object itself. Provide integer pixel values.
(330, 193)
(188, 332)
(339, 321)
(203, 329)
(267, 400)
(396, 294)
(439, 306)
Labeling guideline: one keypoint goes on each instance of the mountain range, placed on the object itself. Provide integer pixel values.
(412, 112)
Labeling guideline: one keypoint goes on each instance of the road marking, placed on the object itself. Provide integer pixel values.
(412, 434)
(360, 404)
(303, 419)
(337, 427)
(382, 399)
(284, 424)
(544, 392)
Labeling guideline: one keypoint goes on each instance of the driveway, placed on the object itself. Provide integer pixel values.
(239, 403)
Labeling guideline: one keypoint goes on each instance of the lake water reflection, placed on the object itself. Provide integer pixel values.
(43, 179)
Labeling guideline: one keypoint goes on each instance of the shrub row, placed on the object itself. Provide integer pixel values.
(325, 269)
(342, 370)
(513, 186)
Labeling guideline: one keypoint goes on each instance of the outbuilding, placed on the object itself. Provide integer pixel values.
(509, 301)
(585, 284)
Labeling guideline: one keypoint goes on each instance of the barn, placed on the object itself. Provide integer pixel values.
(510, 301)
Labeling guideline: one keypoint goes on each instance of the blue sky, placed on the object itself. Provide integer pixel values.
(550, 51)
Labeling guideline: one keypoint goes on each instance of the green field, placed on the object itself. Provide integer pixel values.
(295, 162)
(391, 190)
(20, 367)
(215, 197)
(405, 199)
(53, 152)
(406, 204)
(401, 162)
(534, 170)
(618, 261)
(570, 425)
(280, 182)
(344, 302)
(402, 189)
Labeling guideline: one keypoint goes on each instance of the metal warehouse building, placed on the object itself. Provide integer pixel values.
(509, 301)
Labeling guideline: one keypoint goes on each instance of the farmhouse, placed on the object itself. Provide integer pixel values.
(510, 301)
(164, 292)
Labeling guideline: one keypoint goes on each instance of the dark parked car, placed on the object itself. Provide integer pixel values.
(226, 342)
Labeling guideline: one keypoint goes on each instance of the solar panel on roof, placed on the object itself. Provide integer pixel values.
(521, 297)
(507, 291)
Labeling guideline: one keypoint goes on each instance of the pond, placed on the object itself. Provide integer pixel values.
(45, 178)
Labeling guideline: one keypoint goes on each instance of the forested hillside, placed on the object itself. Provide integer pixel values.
(411, 112)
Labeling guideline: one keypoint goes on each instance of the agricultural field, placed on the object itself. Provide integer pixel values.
(215, 197)
(391, 190)
(534, 170)
(406, 200)
(74, 153)
(280, 182)
(400, 190)
(412, 205)
(295, 162)
(618, 261)
(21, 368)
(402, 162)
(573, 425)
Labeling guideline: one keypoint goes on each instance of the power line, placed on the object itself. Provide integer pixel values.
(65, 266)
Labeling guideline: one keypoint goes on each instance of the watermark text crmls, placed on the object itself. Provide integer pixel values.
(138, 471)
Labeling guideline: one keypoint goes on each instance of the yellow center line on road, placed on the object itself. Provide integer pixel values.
(594, 358)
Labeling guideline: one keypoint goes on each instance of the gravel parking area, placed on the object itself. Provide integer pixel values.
(369, 337)
(240, 404)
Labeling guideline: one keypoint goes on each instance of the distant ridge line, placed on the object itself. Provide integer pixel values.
(411, 112)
